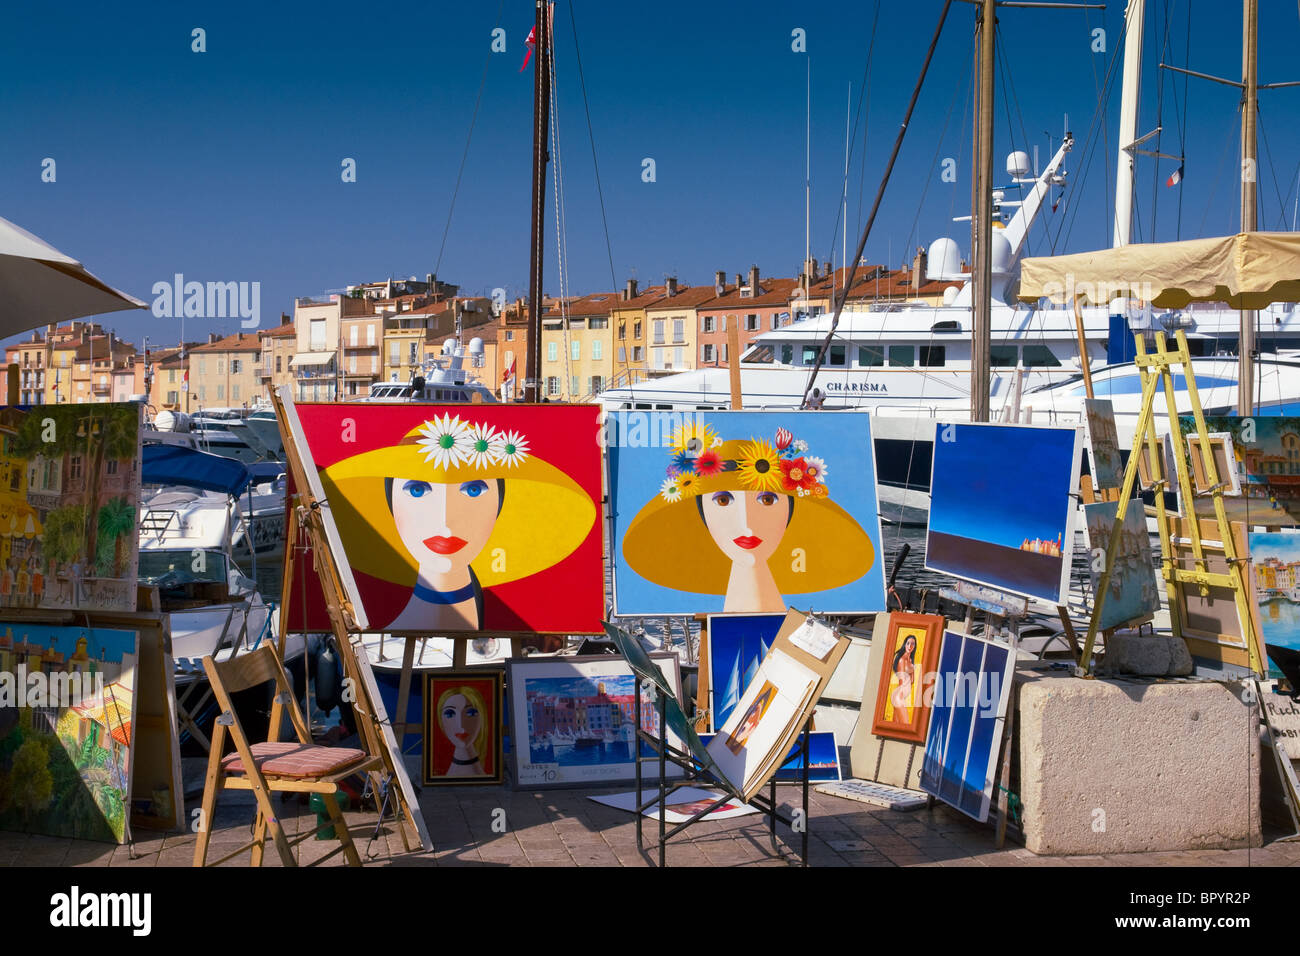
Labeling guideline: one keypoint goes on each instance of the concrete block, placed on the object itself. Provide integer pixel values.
(1147, 656)
(1120, 767)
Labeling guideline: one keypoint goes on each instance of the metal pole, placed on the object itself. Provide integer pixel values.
(1249, 175)
(532, 391)
(982, 273)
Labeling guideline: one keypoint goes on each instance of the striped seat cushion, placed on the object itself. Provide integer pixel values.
(290, 759)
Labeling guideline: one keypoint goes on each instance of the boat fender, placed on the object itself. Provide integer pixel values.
(328, 677)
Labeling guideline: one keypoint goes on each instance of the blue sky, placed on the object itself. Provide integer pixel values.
(986, 489)
(225, 165)
(1283, 547)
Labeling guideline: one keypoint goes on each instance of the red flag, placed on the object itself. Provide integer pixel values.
(1175, 177)
(530, 43)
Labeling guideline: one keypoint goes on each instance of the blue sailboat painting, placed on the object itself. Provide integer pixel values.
(737, 645)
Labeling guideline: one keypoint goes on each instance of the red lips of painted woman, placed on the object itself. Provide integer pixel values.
(748, 542)
(440, 545)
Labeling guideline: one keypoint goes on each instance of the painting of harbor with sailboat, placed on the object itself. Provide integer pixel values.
(737, 646)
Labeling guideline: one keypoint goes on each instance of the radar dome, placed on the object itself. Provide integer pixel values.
(1001, 248)
(943, 261)
(1018, 164)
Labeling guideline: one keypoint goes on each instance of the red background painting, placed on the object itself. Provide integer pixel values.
(441, 748)
(566, 598)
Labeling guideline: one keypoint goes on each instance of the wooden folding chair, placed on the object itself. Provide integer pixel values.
(301, 767)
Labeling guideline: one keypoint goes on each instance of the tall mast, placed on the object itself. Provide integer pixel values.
(532, 390)
(1128, 122)
(1249, 166)
(982, 270)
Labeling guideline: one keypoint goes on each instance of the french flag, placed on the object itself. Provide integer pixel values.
(530, 43)
(1175, 177)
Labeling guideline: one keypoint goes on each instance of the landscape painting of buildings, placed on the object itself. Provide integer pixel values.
(1001, 517)
(69, 493)
(1275, 557)
(1131, 593)
(67, 711)
(1266, 453)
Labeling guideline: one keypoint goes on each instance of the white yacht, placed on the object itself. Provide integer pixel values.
(445, 380)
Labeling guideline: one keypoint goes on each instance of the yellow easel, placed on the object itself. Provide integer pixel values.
(1156, 369)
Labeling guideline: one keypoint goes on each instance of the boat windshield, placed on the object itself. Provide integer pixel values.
(172, 568)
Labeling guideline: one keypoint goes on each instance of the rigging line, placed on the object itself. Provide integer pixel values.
(600, 193)
(858, 117)
(1182, 123)
(865, 103)
(1160, 121)
(1272, 169)
(875, 207)
(561, 232)
(1234, 136)
(446, 229)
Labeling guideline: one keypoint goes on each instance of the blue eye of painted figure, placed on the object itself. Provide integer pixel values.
(416, 489)
(449, 713)
(471, 711)
(472, 489)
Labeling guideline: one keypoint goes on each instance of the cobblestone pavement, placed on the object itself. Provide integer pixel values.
(564, 828)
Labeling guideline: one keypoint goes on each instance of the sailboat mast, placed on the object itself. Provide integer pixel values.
(532, 390)
(1249, 165)
(982, 273)
(1128, 121)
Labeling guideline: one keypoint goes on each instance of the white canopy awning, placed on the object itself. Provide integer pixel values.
(1245, 271)
(311, 358)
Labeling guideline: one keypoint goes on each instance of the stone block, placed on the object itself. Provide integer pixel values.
(1123, 767)
(1146, 656)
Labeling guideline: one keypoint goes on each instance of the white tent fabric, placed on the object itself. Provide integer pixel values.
(1245, 271)
(40, 285)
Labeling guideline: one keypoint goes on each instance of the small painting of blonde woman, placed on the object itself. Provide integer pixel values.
(462, 727)
(910, 652)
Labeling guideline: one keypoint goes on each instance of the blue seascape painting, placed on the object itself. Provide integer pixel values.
(737, 646)
(823, 758)
(1002, 506)
(743, 512)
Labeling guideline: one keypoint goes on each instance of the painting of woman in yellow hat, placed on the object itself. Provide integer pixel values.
(741, 509)
(452, 510)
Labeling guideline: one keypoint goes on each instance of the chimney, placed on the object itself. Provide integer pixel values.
(720, 282)
(670, 286)
(740, 280)
(212, 337)
(629, 291)
(285, 319)
(428, 281)
(918, 268)
(753, 281)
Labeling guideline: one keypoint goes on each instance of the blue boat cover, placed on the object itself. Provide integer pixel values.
(178, 465)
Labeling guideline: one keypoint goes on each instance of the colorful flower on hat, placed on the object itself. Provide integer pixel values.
(692, 438)
(513, 448)
(817, 468)
(800, 445)
(783, 439)
(820, 491)
(683, 462)
(687, 483)
(709, 464)
(484, 446)
(794, 475)
(446, 441)
(671, 490)
(758, 466)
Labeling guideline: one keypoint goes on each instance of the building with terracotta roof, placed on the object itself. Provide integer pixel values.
(276, 365)
(414, 338)
(316, 360)
(577, 348)
(223, 371)
(672, 324)
(627, 317)
(754, 306)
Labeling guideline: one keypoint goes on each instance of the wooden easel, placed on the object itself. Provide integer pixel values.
(377, 734)
(1156, 370)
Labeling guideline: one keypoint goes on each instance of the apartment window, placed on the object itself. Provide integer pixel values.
(234, 393)
(370, 335)
(81, 367)
(317, 331)
(103, 380)
(552, 352)
(622, 330)
(575, 350)
(776, 322)
(622, 354)
(510, 335)
(203, 366)
(679, 330)
(573, 386)
(579, 323)
(706, 323)
(74, 467)
(636, 330)
(599, 324)
(221, 366)
(173, 398)
(597, 350)
(221, 392)
(678, 358)
(706, 353)
(722, 323)
(751, 323)
(552, 385)
(597, 384)
(932, 356)
(236, 366)
(353, 336)
(352, 364)
(395, 353)
(414, 352)
(171, 376)
(638, 354)
(724, 352)
(902, 356)
(870, 357)
(659, 332)
(278, 364)
(203, 393)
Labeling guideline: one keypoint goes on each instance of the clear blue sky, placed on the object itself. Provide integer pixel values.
(225, 165)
